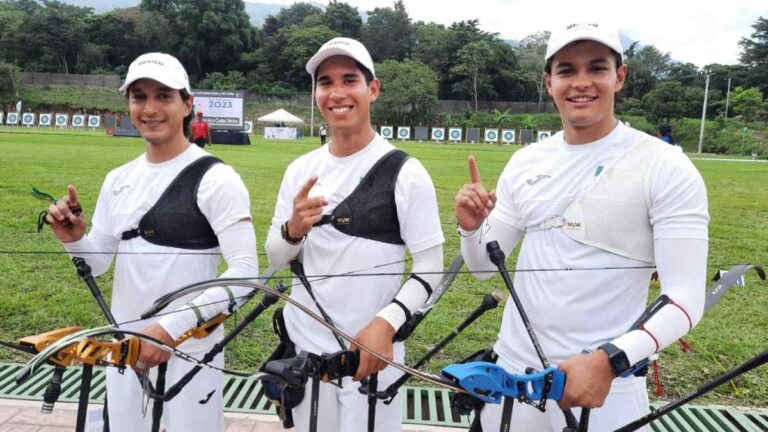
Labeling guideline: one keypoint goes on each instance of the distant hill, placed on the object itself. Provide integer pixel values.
(257, 12)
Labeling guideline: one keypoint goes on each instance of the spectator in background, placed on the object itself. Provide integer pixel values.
(323, 134)
(201, 131)
(665, 133)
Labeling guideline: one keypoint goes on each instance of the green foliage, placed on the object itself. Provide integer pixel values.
(430, 45)
(215, 32)
(665, 102)
(9, 79)
(69, 98)
(530, 54)
(302, 43)
(409, 92)
(471, 71)
(754, 56)
(343, 19)
(387, 34)
(47, 37)
(748, 102)
(234, 80)
(645, 67)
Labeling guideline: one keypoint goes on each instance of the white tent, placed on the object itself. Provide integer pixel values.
(280, 116)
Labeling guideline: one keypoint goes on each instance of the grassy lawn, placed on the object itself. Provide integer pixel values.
(41, 290)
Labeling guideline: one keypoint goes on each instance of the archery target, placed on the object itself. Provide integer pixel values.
(12, 118)
(62, 120)
(94, 121)
(387, 132)
(491, 135)
(248, 125)
(45, 119)
(28, 119)
(454, 134)
(78, 120)
(508, 136)
(438, 134)
(543, 135)
(403, 132)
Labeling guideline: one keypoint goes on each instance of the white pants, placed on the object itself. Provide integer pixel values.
(346, 409)
(626, 402)
(197, 408)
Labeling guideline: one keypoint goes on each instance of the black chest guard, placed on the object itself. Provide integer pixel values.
(370, 211)
(175, 220)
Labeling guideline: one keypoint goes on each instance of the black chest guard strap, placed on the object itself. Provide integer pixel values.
(370, 211)
(175, 220)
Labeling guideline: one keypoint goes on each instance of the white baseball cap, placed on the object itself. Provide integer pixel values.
(344, 47)
(161, 67)
(584, 31)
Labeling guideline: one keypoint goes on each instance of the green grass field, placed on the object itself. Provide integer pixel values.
(40, 291)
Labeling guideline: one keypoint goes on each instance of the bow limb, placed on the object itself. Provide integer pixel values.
(81, 346)
(248, 283)
(720, 285)
(167, 299)
(405, 331)
(754, 362)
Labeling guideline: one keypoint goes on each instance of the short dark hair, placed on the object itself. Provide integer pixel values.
(368, 75)
(616, 57)
(185, 96)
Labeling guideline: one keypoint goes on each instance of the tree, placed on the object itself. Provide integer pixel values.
(686, 74)
(296, 13)
(754, 55)
(530, 54)
(645, 66)
(50, 37)
(9, 79)
(11, 25)
(665, 103)
(408, 92)
(151, 31)
(748, 102)
(461, 33)
(429, 45)
(343, 19)
(216, 33)
(471, 70)
(234, 80)
(301, 44)
(387, 34)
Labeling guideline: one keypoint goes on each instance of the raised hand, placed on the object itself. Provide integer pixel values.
(65, 217)
(473, 203)
(306, 211)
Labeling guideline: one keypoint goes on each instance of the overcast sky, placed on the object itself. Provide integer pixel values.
(701, 32)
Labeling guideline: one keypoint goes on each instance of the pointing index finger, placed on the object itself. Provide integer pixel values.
(72, 195)
(304, 192)
(74, 202)
(474, 173)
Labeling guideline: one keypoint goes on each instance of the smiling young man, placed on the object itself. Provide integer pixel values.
(596, 195)
(354, 205)
(168, 216)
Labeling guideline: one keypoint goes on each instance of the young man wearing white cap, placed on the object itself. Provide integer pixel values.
(596, 195)
(167, 215)
(367, 218)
